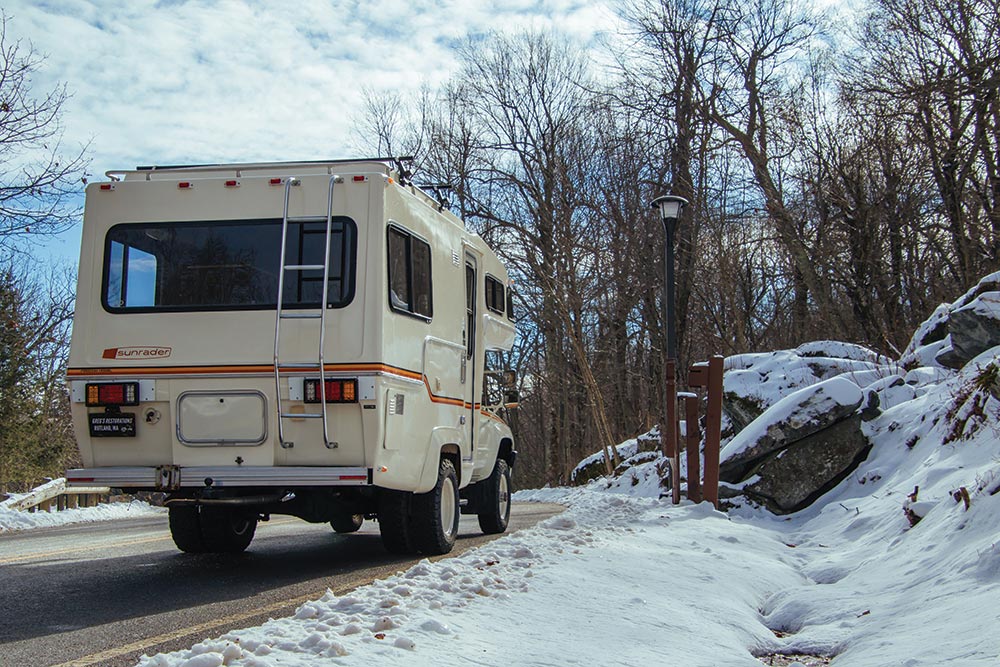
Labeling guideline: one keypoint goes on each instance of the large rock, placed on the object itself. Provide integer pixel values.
(973, 329)
(793, 478)
(796, 416)
(754, 382)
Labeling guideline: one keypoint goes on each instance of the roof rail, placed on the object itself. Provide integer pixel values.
(387, 160)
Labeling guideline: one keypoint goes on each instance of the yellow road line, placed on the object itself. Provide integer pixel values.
(228, 621)
(95, 547)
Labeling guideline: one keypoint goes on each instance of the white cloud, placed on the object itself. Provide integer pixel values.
(200, 81)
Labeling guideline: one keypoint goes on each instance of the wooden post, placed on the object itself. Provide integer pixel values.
(693, 441)
(713, 430)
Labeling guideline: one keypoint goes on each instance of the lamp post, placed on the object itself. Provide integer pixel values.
(670, 207)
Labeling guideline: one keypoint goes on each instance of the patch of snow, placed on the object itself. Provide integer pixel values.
(16, 520)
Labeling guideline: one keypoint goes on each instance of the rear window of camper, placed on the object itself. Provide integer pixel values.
(224, 265)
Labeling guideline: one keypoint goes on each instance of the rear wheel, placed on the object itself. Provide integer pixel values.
(435, 513)
(394, 521)
(226, 530)
(185, 528)
(494, 509)
(347, 523)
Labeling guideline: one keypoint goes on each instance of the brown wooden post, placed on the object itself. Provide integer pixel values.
(693, 441)
(713, 430)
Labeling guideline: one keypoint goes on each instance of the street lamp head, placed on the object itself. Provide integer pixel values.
(670, 207)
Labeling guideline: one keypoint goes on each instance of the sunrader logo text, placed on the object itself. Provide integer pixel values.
(137, 352)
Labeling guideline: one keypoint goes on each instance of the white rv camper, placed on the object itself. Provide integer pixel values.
(291, 338)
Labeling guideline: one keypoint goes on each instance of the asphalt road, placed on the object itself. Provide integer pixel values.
(104, 594)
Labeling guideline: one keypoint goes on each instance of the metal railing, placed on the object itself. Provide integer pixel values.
(55, 495)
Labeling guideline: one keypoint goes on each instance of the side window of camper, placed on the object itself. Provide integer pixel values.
(494, 295)
(510, 304)
(409, 274)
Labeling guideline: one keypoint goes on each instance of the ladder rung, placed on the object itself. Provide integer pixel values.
(304, 267)
(306, 218)
(301, 415)
(299, 365)
(300, 316)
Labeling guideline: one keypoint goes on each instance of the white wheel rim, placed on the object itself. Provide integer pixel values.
(448, 507)
(504, 499)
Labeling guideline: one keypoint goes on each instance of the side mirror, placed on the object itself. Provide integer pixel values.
(508, 379)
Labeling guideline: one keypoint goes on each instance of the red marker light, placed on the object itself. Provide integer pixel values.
(107, 186)
(360, 179)
(232, 184)
(185, 185)
(275, 181)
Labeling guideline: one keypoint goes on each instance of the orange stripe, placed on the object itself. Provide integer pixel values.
(492, 416)
(239, 370)
(235, 370)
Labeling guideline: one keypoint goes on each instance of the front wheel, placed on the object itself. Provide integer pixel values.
(435, 513)
(494, 508)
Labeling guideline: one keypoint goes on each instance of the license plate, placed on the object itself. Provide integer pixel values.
(121, 425)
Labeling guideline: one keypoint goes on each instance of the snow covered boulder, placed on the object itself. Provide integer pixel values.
(794, 417)
(972, 329)
(755, 382)
(793, 478)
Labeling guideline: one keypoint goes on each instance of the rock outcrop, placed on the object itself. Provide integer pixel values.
(802, 413)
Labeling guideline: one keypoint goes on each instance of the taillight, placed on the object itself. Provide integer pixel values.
(112, 393)
(337, 391)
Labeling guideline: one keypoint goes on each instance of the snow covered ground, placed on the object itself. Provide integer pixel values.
(15, 520)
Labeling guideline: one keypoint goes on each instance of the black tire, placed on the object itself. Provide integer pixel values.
(227, 530)
(435, 514)
(494, 503)
(185, 528)
(394, 521)
(347, 523)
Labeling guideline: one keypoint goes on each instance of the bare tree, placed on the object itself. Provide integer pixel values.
(35, 312)
(934, 66)
(37, 181)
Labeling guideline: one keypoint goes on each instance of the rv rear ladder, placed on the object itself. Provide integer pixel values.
(283, 313)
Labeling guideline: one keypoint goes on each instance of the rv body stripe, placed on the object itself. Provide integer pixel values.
(238, 370)
(202, 371)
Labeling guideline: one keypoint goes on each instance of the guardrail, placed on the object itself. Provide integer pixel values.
(55, 495)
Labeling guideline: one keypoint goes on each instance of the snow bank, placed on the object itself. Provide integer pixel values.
(613, 580)
(16, 520)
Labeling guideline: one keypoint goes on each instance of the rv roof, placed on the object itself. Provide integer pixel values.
(312, 166)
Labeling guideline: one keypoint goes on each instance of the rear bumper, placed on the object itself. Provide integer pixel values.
(171, 478)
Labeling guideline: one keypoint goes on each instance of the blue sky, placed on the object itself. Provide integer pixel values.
(191, 81)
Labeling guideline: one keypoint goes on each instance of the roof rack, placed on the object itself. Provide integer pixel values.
(388, 160)
(396, 163)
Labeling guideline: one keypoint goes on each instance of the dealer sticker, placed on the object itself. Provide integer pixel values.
(119, 425)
